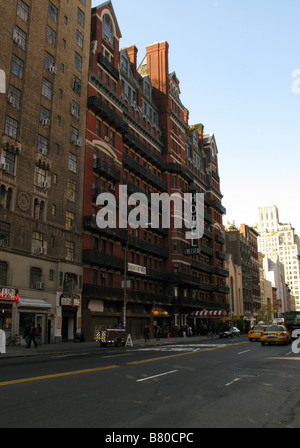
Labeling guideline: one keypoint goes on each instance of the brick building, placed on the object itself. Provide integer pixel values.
(138, 136)
(44, 54)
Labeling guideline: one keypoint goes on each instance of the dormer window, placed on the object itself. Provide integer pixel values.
(107, 32)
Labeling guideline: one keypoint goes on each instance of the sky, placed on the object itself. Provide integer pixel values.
(238, 62)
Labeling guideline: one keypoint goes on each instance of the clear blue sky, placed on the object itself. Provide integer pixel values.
(234, 60)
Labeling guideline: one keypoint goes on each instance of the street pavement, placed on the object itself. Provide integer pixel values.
(81, 347)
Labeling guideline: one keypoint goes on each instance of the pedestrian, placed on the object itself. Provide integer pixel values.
(38, 334)
(31, 336)
(157, 333)
(146, 333)
(27, 333)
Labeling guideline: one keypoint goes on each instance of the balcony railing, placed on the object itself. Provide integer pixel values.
(103, 110)
(140, 170)
(105, 169)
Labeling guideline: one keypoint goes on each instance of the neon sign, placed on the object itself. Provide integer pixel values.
(9, 294)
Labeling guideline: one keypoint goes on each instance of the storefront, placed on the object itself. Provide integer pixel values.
(33, 310)
(68, 317)
(204, 321)
(9, 297)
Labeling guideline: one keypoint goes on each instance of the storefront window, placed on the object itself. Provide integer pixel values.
(25, 318)
(5, 317)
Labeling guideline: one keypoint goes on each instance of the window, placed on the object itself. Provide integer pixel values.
(71, 191)
(17, 66)
(23, 10)
(37, 243)
(80, 16)
(47, 89)
(78, 61)
(38, 210)
(20, 37)
(72, 166)
(3, 273)
(14, 97)
(42, 144)
(51, 36)
(4, 234)
(76, 85)
(52, 12)
(40, 176)
(79, 38)
(69, 251)
(10, 160)
(70, 220)
(48, 61)
(73, 134)
(107, 29)
(11, 127)
(35, 277)
(44, 114)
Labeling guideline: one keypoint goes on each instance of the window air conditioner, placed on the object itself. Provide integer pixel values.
(39, 285)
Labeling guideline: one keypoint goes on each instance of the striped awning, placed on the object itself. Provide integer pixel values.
(213, 314)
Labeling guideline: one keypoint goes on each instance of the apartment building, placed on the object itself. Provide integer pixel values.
(44, 55)
(138, 137)
(278, 239)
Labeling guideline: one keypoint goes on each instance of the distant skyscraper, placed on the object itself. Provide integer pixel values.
(280, 239)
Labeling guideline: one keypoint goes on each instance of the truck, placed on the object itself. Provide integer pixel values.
(110, 336)
(292, 320)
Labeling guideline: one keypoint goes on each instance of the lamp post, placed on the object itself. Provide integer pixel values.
(125, 282)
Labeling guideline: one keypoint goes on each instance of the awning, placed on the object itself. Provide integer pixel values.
(32, 303)
(213, 314)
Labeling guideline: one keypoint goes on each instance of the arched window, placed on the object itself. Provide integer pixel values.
(107, 29)
(2, 195)
(8, 199)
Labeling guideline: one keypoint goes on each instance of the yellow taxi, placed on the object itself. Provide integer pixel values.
(255, 333)
(275, 333)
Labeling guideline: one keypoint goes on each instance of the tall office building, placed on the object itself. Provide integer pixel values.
(280, 239)
(44, 54)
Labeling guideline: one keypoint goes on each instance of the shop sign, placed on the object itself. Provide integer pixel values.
(137, 268)
(192, 251)
(70, 300)
(9, 294)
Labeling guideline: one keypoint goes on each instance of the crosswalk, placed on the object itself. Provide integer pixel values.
(179, 347)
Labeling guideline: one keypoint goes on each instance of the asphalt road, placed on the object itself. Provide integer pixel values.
(217, 384)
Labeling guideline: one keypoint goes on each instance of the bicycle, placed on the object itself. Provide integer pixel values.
(13, 339)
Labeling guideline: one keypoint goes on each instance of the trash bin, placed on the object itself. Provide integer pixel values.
(2, 341)
(78, 337)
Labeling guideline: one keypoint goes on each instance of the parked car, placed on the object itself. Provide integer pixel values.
(255, 333)
(233, 331)
(274, 334)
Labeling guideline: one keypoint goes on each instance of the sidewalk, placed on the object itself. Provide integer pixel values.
(86, 347)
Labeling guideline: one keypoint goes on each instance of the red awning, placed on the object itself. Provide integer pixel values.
(213, 314)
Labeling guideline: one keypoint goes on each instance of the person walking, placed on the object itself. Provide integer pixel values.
(146, 333)
(31, 336)
(157, 333)
(38, 334)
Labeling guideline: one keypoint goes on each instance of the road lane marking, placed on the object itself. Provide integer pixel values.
(98, 369)
(156, 376)
(234, 381)
(55, 375)
(245, 351)
(185, 354)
